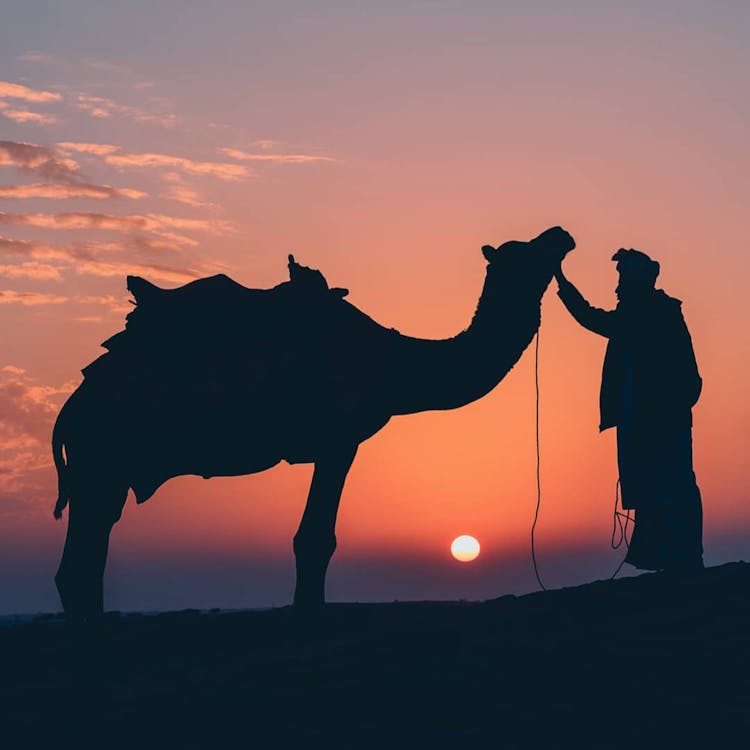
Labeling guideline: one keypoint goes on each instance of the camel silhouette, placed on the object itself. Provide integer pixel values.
(216, 379)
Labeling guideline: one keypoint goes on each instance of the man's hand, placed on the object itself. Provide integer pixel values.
(560, 277)
(595, 319)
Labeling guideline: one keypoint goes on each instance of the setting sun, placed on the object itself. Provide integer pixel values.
(465, 548)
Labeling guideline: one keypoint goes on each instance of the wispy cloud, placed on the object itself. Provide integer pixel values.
(107, 65)
(31, 249)
(103, 107)
(60, 191)
(159, 225)
(182, 192)
(98, 259)
(131, 223)
(222, 170)
(16, 91)
(31, 270)
(114, 156)
(65, 179)
(25, 115)
(29, 408)
(123, 268)
(39, 160)
(40, 299)
(234, 153)
(186, 195)
(34, 56)
(98, 149)
(13, 297)
(38, 250)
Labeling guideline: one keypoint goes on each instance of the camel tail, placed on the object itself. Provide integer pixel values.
(61, 467)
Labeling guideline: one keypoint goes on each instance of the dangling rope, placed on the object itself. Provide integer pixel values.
(619, 526)
(538, 466)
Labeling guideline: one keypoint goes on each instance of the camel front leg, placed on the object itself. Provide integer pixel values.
(315, 540)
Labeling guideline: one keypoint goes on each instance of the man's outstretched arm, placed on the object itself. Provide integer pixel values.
(594, 318)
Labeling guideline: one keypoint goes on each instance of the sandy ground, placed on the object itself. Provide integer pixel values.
(652, 661)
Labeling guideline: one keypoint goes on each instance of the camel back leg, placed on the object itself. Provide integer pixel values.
(315, 540)
(93, 511)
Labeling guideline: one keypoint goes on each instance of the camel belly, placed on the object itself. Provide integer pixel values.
(146, 478)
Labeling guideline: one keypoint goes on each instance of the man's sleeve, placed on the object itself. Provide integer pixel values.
(594, 318)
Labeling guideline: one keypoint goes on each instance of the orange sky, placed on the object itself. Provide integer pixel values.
(384, 144)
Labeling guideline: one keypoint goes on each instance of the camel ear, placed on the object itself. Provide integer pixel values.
(488, 251)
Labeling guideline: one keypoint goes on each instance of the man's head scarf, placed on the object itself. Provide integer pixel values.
(636, 263)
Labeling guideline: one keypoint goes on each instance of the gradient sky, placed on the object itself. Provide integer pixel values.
(383, 143)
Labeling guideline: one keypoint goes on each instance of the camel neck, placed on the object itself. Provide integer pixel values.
(450, 373)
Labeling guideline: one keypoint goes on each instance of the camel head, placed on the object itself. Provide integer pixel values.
(521, 271)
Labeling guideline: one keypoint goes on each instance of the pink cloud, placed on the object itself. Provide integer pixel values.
(182, 193)
(96, 260)
(16, 91)
(102, 107)
(114, 304)
(222, 170)
(28, 157)
(171, 274)
(31, 270)
(59, 191)
(98, 149)
(23, 115)
(114, 156)
(63, 174)
(29, 249)
(156, 224)
(234, 153)
(12, 297)
(202, 225)
(186, 195)
(29, 409)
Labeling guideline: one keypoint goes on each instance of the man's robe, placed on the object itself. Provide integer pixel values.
(650, 382)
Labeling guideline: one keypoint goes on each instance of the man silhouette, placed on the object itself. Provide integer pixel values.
(650, 383)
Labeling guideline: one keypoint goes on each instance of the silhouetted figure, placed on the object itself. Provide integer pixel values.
(650, 383)
(216, 379)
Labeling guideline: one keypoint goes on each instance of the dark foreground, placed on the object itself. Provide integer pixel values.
(638, 663)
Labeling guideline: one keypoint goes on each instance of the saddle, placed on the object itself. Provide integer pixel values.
(208, 323)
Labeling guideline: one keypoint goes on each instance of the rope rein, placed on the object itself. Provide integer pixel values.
(538, 466)
(620, 527)
(620, 520)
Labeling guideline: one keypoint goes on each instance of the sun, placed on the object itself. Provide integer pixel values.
(465, 548)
